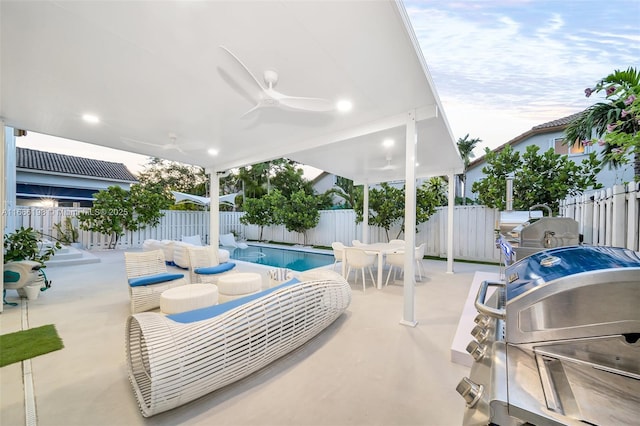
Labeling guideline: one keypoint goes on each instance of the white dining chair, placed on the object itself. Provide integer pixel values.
(419, 257)
(397, 260)
(338, 252)
(359, 260)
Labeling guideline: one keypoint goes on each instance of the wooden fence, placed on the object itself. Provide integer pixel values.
(607, 217)
(473, 230)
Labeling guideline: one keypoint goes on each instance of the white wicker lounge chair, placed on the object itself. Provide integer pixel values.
(204, 266)
(148, 278)
(175, 359)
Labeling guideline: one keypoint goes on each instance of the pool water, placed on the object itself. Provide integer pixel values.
(281, 258)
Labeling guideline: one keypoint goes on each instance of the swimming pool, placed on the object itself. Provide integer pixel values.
(282, 258)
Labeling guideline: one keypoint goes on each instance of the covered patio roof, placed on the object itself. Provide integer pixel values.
(159, 79)
(181, 80)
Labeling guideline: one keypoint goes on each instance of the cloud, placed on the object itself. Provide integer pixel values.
(523, 63)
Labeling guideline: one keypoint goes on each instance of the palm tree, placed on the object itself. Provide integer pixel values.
(598, 118)
(466, 147)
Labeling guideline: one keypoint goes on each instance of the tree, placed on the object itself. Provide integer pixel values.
(465, 148)
(386, 204)
(386, 207)
(254, 179)
(289, 179)
(163, 176)
(614, 125)
(299, 213)
(116, 211)
(263, 211)
(538, 178)
(110, 214)
(345, 189)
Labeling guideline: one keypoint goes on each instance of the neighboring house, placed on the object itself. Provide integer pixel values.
(48, 179)
(551, 135)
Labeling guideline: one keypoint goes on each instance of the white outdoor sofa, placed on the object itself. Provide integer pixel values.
(178, 358)
(175, 252)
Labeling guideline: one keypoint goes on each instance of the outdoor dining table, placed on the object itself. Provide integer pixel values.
(379, 249)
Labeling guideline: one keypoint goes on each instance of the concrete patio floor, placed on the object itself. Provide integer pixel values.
(364, 369)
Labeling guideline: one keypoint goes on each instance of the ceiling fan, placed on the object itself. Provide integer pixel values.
(388, 166)
(171, 145)
(269, 97)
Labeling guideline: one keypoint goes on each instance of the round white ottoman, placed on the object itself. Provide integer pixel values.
(188, 297)
(233, 286)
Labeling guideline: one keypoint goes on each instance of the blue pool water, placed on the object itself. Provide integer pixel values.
(281, 258)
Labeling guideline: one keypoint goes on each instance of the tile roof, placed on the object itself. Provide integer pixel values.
(67, 164)
(564, 121)
(550, 126)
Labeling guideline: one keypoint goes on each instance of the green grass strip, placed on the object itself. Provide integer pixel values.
(21, 345)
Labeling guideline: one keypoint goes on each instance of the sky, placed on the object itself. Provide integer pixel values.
(500, 67)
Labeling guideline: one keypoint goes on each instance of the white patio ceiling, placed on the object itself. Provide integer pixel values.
(150, 69)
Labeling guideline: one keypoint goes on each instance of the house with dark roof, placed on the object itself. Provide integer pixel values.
(551, 135)
(46, 178)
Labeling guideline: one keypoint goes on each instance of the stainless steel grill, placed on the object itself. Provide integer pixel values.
(558, 341)
(538, 233)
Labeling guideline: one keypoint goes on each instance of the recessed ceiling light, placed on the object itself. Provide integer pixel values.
(388, 143)
(344, 105)
(212, 151)
(90, 118)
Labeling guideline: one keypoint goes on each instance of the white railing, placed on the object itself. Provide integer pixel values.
(473, 230)
(607, 217)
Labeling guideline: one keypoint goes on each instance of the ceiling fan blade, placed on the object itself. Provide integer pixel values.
(134, 142)
(253, 77)
(306, 104)
(250, 111)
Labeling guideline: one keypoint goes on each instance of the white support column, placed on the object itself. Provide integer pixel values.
(408, 317)
(10, 179)
(3, 205)
(365, 214)
(214, 209)
(450, 209)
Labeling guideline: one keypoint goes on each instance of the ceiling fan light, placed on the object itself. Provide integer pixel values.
(388, 143)
(212, 152)
(344, 105)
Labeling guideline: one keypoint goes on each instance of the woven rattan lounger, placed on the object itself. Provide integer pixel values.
(175, 359)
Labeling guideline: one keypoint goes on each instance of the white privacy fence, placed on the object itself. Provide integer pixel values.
(607, 217)
(473, 230)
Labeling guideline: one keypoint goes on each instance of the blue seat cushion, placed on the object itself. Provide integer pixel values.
(215, 310)
(154, 279)
(218, 269)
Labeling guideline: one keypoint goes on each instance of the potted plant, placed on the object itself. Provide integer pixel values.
(27, 244)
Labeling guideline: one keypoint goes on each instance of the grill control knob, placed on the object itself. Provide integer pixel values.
(480, 333)
(476, 350)
(470, 391)
(482, 320)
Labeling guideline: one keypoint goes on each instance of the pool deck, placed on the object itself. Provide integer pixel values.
(364, 369)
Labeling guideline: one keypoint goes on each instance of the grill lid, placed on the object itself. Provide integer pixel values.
(549, 265)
